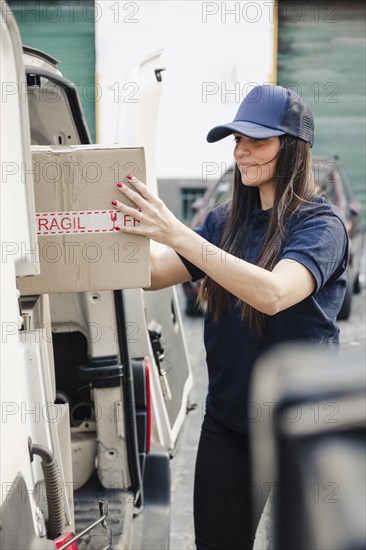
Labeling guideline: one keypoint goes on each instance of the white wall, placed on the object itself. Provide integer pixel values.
(207, 52)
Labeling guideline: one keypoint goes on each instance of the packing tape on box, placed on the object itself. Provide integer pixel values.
(88, 221)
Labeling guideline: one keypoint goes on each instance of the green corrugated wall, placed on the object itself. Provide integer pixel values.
(65, 30)
(321, 53)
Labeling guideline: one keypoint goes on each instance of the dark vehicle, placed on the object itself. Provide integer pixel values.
(332, 178)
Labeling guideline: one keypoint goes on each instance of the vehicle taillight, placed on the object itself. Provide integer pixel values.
(66, 537)
(148, 392)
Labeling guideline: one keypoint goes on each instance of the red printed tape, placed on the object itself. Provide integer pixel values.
(91, 221)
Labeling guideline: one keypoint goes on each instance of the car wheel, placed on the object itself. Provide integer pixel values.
(345, 310)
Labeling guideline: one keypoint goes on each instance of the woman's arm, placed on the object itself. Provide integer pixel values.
(269, 292)
(166, 269)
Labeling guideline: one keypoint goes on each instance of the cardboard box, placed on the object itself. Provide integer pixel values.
(78, 248)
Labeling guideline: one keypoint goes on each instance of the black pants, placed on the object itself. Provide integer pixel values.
(222, 491)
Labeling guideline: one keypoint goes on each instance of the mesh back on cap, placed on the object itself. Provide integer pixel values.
(297, 119)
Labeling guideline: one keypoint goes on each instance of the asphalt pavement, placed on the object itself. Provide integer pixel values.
(353, 335)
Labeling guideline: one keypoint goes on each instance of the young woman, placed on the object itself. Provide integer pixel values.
(273, 261)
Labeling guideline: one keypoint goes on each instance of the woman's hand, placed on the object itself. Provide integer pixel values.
(155, 219)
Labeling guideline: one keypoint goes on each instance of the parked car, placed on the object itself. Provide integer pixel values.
(331, 176)
(87, 418)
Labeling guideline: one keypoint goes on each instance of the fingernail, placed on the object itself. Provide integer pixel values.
(117, 228)
(129, 177)
(114, 203)
(119, 185)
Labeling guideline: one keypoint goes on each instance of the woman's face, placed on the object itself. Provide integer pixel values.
(256, 159)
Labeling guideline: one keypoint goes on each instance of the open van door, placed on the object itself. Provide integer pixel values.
(155, 313)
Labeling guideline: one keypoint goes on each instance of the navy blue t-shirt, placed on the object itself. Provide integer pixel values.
(315, 237)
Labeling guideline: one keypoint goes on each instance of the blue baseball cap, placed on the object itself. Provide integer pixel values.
(269, 111)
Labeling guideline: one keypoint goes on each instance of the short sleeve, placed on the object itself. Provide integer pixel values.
(209, 230)
(319, 241)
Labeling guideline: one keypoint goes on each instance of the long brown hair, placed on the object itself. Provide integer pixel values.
(294, 185)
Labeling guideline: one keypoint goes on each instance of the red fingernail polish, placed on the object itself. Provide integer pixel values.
(119, 185)
(117, 228)
(129, 177)
(114, 203)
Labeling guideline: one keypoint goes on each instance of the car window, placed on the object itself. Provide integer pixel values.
(223, 193)
(326, 175)
(347, 186)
